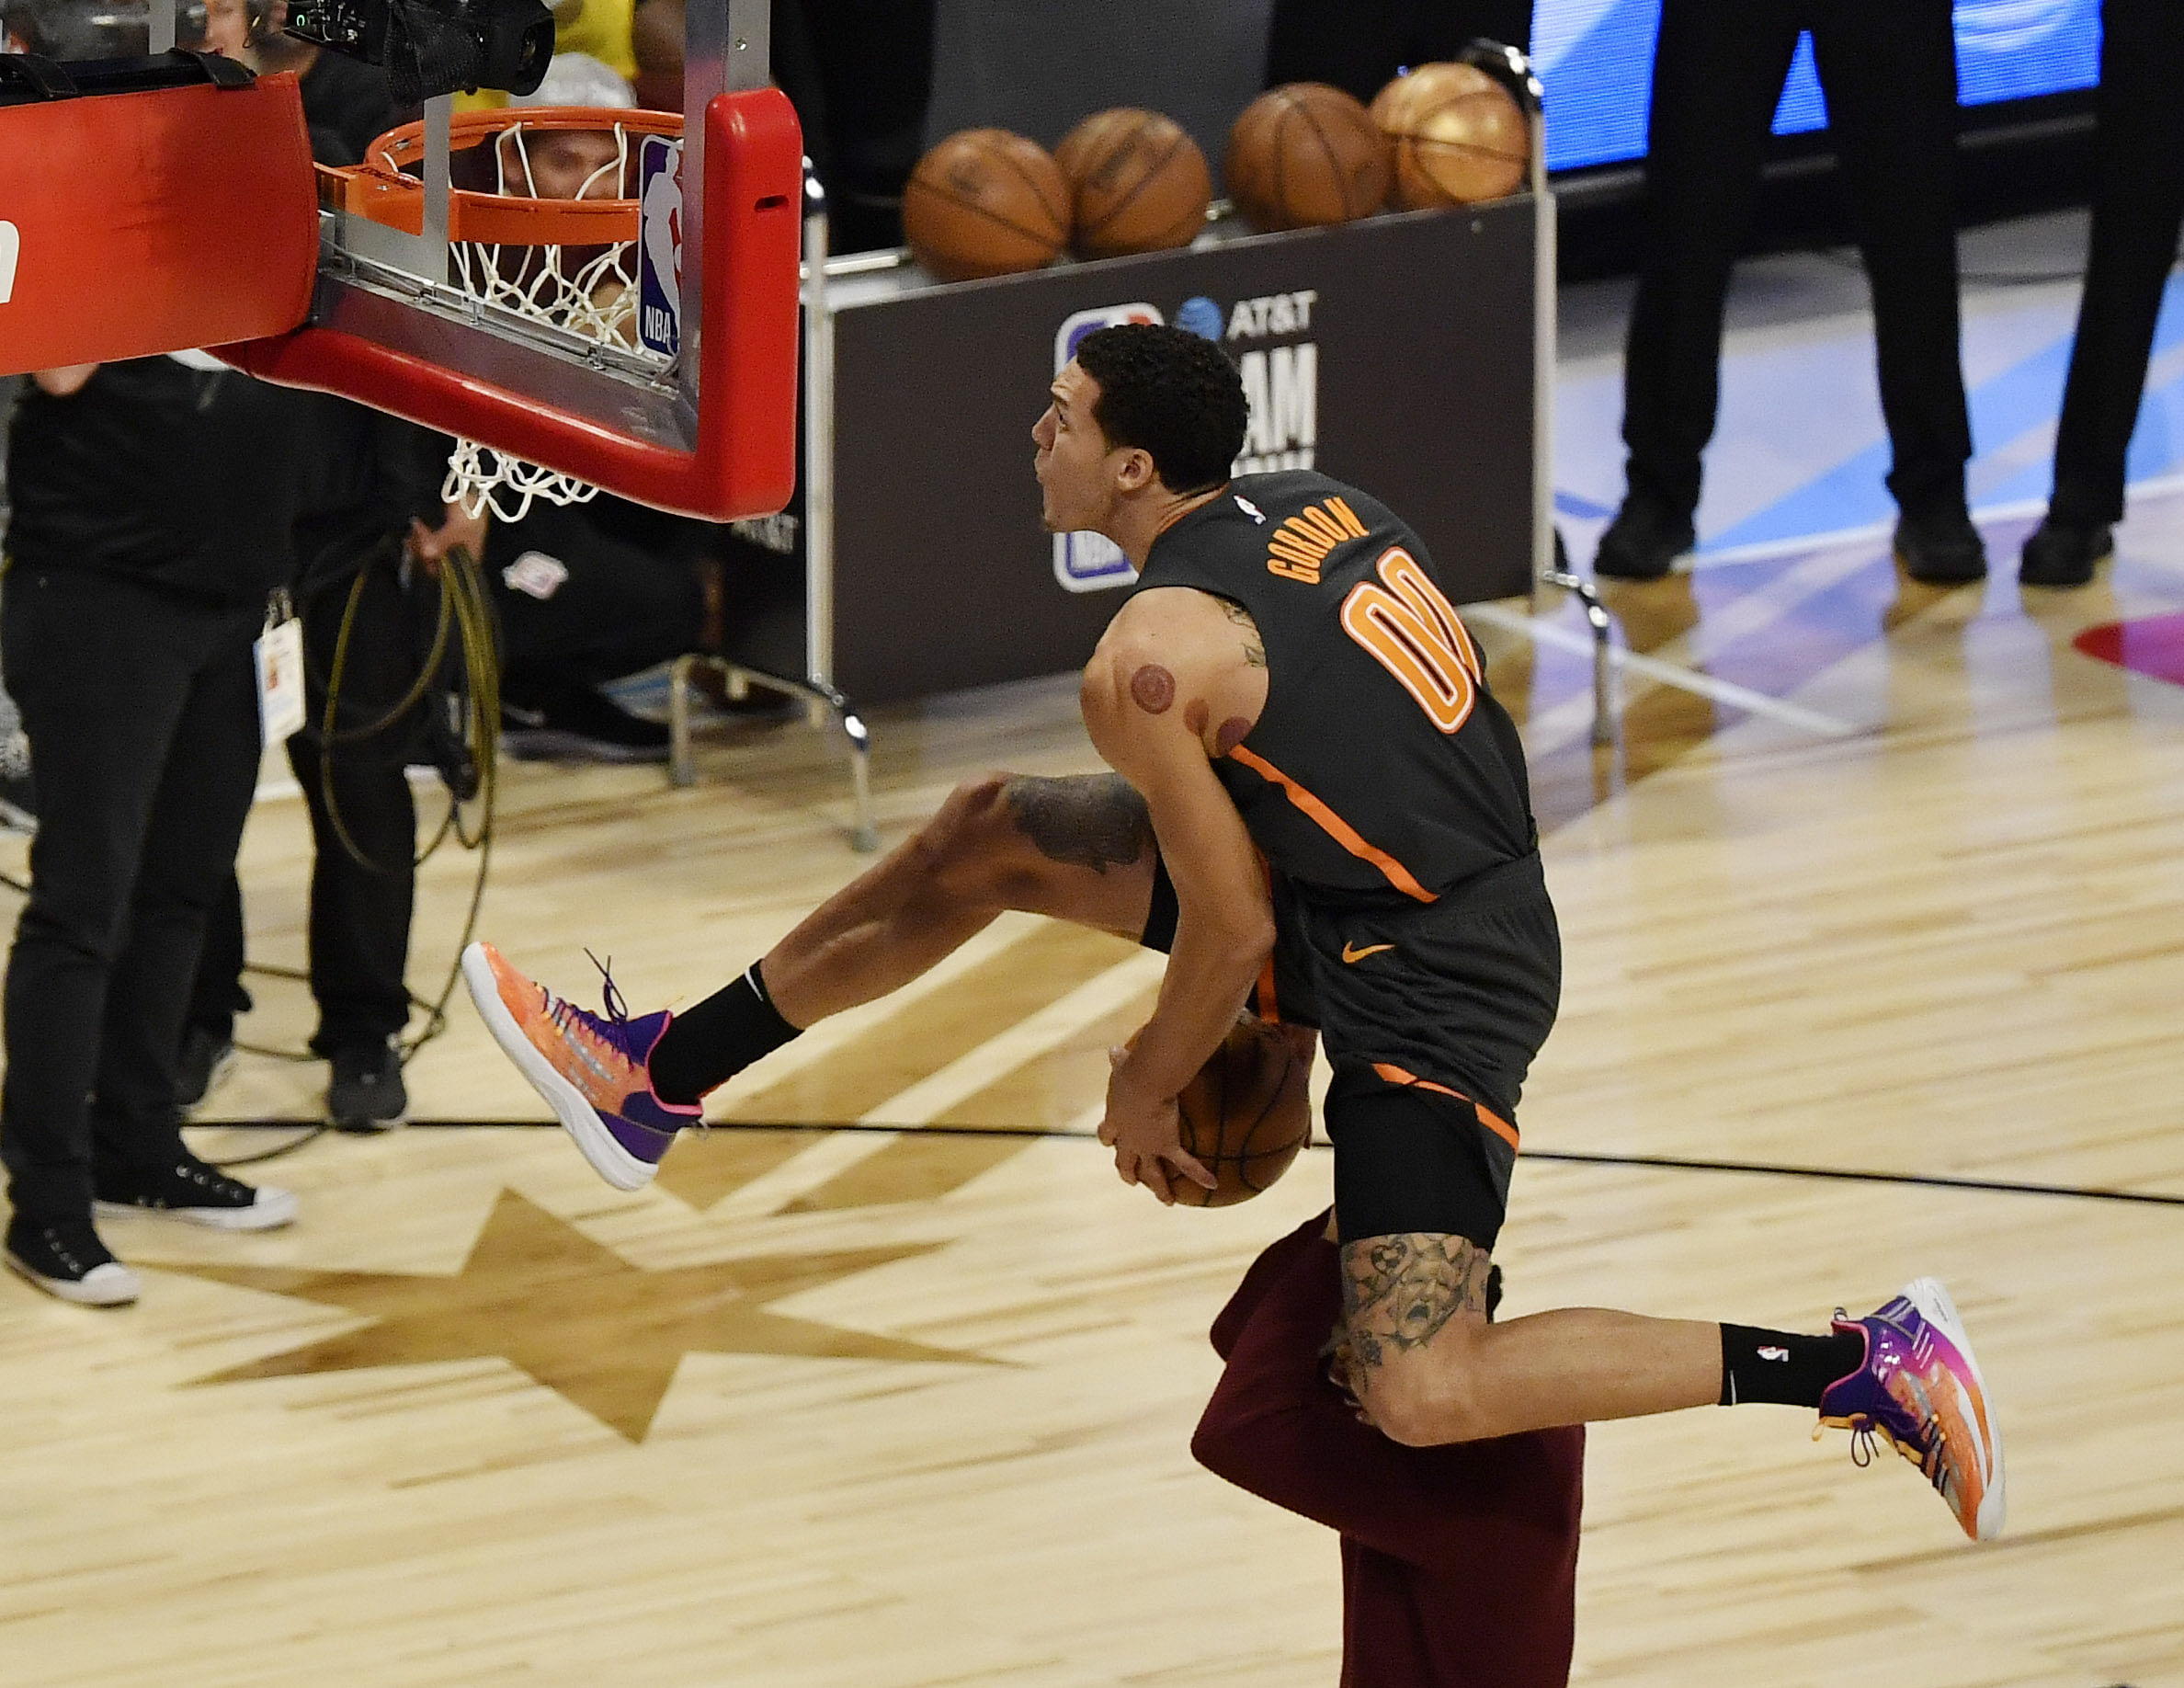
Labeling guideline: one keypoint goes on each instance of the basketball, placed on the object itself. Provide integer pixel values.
(1138, 183)
(1303, 156)
(1458, 138)
(986, 202)
(1244, 1117)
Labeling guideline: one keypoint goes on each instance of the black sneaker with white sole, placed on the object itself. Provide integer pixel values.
(189, 1189)
(65, 1258)
(364, 1091)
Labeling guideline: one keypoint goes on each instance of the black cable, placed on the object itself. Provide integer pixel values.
(1673, 1163)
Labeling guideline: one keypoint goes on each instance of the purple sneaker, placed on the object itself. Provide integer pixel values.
(1920, 1390)
(591, 1070)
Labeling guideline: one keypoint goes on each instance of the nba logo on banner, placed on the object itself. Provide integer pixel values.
(1088, 561)
(659, 246)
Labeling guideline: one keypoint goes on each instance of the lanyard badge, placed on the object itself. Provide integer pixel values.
(279, 651)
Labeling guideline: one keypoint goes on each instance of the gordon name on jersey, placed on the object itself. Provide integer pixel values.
(1381, 764)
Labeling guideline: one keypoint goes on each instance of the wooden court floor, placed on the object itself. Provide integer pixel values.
(907, 1407)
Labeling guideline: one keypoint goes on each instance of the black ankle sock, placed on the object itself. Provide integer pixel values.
(1791, 1371)
(708, 1045)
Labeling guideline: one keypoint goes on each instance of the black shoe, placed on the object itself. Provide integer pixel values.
(189, 1189)
(208, 1057)
(580, 724)
(65, 1258)
(1643, 541)
(2059, 555)
(366, 1092)
(1942, 550)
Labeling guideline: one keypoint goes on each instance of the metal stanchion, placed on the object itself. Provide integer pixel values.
(1550, 565)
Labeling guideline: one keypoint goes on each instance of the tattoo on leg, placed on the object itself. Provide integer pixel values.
(1397, 1291)
(1097, 821)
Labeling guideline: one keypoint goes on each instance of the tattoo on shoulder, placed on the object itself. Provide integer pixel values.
(1098, 821)
(1397, 1291)
(1255, 650)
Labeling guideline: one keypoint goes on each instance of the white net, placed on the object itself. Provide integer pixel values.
(590, 291)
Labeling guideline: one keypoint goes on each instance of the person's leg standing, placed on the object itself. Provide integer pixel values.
(361, 911)
(101, 685)
(216, 998)
(2138, 213)
(1718, 71)
(1888, 68)
(190, 838)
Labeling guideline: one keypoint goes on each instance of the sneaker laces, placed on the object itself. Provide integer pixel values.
(562, 1011)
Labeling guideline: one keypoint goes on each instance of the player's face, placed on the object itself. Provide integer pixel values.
(579, 165)
(1075, 464)
(227, 28)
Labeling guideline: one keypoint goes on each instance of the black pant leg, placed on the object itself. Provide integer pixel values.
(361, 911)
(218, 995)
(194, 826)
(1718, 71)
(1360, 45)
(2138, 213)
(1888, 68)
(100, 671)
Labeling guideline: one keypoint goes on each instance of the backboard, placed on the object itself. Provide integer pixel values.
(701, 420)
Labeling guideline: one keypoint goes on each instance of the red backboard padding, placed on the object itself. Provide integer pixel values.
(743, 461)
(154, 221)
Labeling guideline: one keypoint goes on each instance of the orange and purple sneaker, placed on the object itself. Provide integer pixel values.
(1920, 1390)
(590, 1068)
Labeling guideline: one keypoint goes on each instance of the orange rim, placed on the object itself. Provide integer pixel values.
(380, 189)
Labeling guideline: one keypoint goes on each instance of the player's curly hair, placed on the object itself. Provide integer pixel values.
(1172, 393)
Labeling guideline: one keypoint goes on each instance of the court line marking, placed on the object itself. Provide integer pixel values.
(1672, 1163)
(1544, 632)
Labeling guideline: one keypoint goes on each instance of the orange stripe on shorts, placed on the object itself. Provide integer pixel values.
(1492, 1120)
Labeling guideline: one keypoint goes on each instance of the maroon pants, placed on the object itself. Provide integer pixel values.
(1459, 1563)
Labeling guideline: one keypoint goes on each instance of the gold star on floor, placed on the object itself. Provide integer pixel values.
(574, 1315)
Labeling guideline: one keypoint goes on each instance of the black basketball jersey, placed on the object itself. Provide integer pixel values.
(1381, 766)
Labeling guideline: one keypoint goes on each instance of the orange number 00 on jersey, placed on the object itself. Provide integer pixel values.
(1414, 632)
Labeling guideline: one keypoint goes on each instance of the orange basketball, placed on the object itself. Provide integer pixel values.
(1138, 183)
(1307, 155)
(986, 202)
(1245, 1116)
(1421, 87)
(1458, 138)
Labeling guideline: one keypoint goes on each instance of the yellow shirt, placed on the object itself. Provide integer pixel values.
(601, 28)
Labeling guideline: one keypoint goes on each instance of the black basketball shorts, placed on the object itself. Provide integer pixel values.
(1431, 1015)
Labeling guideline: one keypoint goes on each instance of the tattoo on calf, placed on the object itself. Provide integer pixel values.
(1097, 820)
(1397, 1291)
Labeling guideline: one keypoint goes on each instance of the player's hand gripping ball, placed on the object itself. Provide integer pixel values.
(986, 202)
(1244, 1117)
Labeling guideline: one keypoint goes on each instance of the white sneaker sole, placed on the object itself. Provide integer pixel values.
(274, 1208)
(577, 1116)
(111, 1285)
(1931, 1297)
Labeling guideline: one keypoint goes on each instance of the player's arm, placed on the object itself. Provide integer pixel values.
(1136, 702)
(60, 382)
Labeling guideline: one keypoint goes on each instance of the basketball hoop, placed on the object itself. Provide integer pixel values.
(557, 252)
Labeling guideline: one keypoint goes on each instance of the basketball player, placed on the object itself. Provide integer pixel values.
(1319, 807)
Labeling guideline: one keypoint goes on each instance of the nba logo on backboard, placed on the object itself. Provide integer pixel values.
(11, 246)
(659, 246)
(1089, 562)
